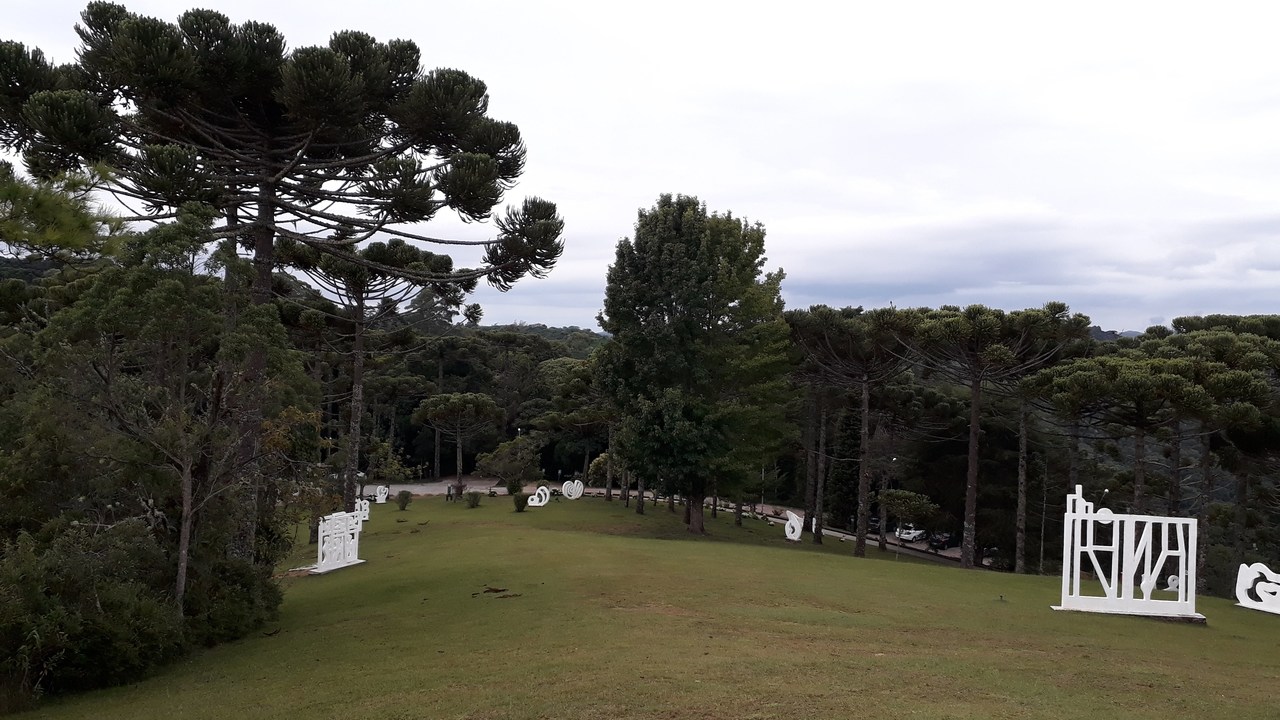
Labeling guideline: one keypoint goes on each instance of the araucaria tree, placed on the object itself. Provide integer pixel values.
(326, 146)
(696, 367)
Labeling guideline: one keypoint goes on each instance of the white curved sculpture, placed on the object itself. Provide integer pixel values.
(572, 489)
(339, 544)
(1257, 588)
(794, 526)
(1127, 554)
(383, 491)
(540, 497)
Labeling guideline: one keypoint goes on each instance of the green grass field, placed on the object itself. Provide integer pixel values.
(608, 615)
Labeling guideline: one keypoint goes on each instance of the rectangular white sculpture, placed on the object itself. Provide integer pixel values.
(362, 510)
(1127, 555)
(339, 544)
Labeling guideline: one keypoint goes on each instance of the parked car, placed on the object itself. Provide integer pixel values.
(910, 533)
(941, 541)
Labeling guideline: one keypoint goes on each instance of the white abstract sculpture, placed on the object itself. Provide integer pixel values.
(794, 526)
(1127, 554)
(572, 489)
(362, 510)
(383, 491)
(339, 544)
(1258, 588)
(540, 497)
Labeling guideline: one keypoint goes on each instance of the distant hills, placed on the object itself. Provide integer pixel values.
(1098, 333)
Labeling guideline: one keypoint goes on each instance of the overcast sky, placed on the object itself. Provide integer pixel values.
(1121, 157)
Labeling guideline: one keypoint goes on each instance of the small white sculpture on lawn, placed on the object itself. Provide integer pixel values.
(362, 510)
(1258, 588)
(540, 497)
(794, 526)
(1127, 554)
(339, 544)
(572, 489)
(383, 491)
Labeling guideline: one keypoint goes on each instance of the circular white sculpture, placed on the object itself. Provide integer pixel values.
(572, 489)
(540, 497)
(1258, 588)
(794, 526)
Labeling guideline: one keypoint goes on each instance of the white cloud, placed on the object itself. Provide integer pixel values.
(1119, 156)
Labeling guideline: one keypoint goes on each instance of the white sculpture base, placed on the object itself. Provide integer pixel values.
(1192, 617)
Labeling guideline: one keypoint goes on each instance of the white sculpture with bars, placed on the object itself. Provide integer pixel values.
(339, 544)
(1127, 556)
(572, 489)
(540, 497)
(383, 491)
(794, 526)
(362, 511)
(1257, 588)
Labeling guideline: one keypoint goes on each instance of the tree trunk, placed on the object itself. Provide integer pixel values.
(688, 512)
(737, 512)
(459, 447)
(1175, 471)
(586, 465)
(969, 545)
(1139, 470)
(810, 459)
(671, 500)
(820, 486)
(1242, 513)
(435, 470)
(1073, 460)
(696, 519)
(1020, 540)
(357, 408)
(626, 489)
(1206, 497)
(184, 538)
(864, 473)
(640, 495)
(250, 400)
(608, 469)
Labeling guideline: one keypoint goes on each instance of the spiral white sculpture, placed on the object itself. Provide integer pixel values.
(382, 493)
(1258, 588)
(540, 497)
(572, 489)
(794, 526)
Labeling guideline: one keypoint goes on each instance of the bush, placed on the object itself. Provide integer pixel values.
(521, 500)
(473, 498)
(81, 612)
(403, 498)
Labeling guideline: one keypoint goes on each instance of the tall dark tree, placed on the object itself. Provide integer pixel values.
(856, 350)
(697, 363)
(368, 296)
(328, 146)
(978, 346)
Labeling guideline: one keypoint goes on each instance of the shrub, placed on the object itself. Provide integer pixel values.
(521, 500)
(81, 612)
(473, 498)
(403, 498)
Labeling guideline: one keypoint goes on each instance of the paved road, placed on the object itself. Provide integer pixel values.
(776, 513)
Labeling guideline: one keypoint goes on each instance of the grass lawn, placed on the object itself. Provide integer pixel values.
(608, 615)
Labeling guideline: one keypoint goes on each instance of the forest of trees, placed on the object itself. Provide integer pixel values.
(186, 388)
